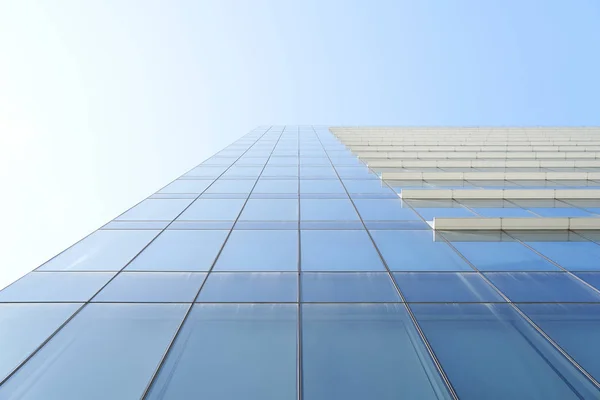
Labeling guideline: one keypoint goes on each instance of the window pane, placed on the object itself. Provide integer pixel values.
(321, 186)
(155, 210)
(180, 250)
(503, 256)
(231, 186)
(317, 172)
(121, 343)
(365, 351)
(574, 256)
(232, 351)
(542, 287)
(207, 171)
(56, 286)
(574, 327)
(592, 278)
(105, 250)
(417, 251)
(152, 287)
(279, 172)
(366, 186)
(240, 287)
(264, 250)
(445, 287)
(339, 250)
(213, 210)
(348, 287)
(327, 210)
(186, 186)
(242, 172)
(489, 352)
(384, 210)
(270, 210)
(23, 327)
(276, 186)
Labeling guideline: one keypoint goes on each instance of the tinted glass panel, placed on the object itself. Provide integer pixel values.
(365, 351)
(186, 186)
(250, 287)
(575, 256)
(122, 343)
(341, 250)
(152, 287)
(327, 210)
(56, 286)
(386, 210)
(276, 186)
(321, 186)
(180, 250)
(270, 210)
(592, 278)
(231, 186)
(265, 250)
(232, 352)
(23, 327)
(366, 186)
(574, 327)
(156, 210)
(445, 287)
(542, 287)
(108, 250)
(489, 352)
(417, 251)
(213, 210)
(348, 287)
(503, 256)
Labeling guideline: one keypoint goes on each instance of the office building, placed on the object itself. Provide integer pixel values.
(319, 263)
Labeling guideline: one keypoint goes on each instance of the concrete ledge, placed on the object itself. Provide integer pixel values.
(476, 223)
(500, 194)
(490, 176)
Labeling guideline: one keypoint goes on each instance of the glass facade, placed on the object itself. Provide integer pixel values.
(294, 264)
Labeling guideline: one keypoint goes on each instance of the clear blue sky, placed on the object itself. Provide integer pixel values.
(103, 102)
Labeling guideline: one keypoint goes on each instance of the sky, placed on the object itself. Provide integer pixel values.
(104, 102)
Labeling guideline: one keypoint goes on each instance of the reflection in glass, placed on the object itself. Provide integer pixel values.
(232, 351)
(489, 351)
(104, 250)
(23, 327)
(240, 287)
(107, 351)
(445, 287)
(155, 210)
(365, 351)
(348, 287)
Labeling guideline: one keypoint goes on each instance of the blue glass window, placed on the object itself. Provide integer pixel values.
(23, 327)
(445, 287)
(366, 186)
(317, 172)
(270, 210)
(213, 210)
(152, 287)
(365, 351)
(104, 250)
(180, 250)
(122, 343)
(503, 256)
(384, 210)
(327, 210)
(339, 250)
(232, 351)
(55, 286)
(592, 278)
(186, 186)
(231, 186)
(355, 173)
(321, 186)
(283, 161)
(207, 171)
(574, 256)
(242, 172)
(156, 210)
(241, 287)
(489, 351)
(338, 287)
(264, 250)
(279, 172)
(542, 287)
(276, 186)
(417, 251)
(574, 327)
